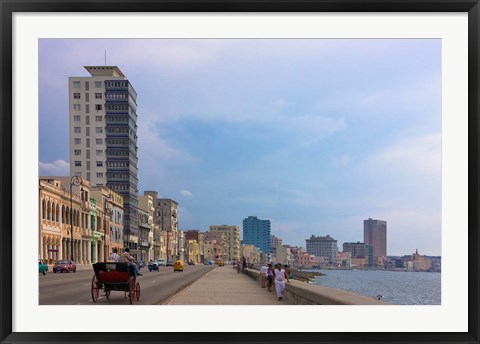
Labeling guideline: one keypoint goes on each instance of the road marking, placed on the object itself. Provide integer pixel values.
(154, 281)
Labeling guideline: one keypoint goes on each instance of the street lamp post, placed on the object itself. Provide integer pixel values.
(107, 211)
(77, 181)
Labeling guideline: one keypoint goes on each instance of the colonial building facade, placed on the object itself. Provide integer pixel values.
(68, 226)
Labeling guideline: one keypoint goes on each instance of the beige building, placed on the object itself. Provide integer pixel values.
(418, 262)
(166, 217)
(109, 206)
(68, 221)
(145, 203)
(232, 236)
(284, 255)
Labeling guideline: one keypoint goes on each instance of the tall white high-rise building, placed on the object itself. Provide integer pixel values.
(103, 137)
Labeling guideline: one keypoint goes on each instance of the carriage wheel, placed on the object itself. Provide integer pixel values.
(137, 291)
(107, 293)
(131, 287)
(95, 288)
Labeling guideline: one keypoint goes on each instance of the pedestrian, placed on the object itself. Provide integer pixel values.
(127, 258)
(239, 266)
(263, 275)
(114, 256)
(287, 272)
(244, 264)
(269, 277)
(279, 281)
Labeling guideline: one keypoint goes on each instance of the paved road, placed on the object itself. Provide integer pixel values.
(75, 288)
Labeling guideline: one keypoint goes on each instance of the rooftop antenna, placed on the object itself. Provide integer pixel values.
(105, 58)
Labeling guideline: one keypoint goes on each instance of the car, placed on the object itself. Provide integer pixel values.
(152, 265)
(64, 266)
(160, 262)
(169, 263)
(42, 266)
(219, 262)
(178, 266)
(191, 262)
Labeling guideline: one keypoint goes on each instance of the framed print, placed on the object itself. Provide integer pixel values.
(279, 98)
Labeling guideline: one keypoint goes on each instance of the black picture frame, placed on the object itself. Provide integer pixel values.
(9, 7)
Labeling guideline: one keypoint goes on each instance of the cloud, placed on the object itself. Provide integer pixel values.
(186, 193)
(56, 168)
(416, 155)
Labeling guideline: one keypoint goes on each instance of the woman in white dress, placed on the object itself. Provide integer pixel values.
(279, 280)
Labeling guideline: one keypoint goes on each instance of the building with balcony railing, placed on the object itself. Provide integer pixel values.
(103, 137)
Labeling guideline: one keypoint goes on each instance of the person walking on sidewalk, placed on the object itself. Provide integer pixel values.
(263, 275)
(269, 277)
(279, 281)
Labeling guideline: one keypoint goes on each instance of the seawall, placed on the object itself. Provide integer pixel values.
(302, 293)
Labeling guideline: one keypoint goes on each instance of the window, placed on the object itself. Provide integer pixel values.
(87, 108)
(77, 141)
(87, 85)
(87, 97)
(78, 163)
(98, 84)
(87, 120)
(76, 84)
(99, 163)
(99, 130)
(76, 96)
(76, 107)
(76, 130)
(98, 96)
(99, 141)
(100, 175)
(98, 107)
(98, 118)
(78, 152)
(99, 152)
(76, 118)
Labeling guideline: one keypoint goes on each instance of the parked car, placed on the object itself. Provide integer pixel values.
(161, 262)
(178, 266)
(169, 263)
(191, 262)
(42, 266)
(64, 266)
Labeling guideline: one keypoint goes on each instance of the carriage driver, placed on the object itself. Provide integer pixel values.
(127, 258)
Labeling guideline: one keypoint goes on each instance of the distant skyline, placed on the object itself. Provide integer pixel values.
(315, 135)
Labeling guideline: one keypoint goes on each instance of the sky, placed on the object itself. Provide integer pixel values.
(315, 135)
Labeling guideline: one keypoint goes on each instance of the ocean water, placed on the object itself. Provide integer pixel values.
(397, 287)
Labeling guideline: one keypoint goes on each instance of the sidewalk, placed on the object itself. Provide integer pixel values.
(224, 286)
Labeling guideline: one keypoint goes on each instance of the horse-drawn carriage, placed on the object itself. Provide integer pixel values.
(115, 276)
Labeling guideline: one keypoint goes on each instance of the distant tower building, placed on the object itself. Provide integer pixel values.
(103, 137)
(323, 247)
(257, 232)
(375, 234)
(232, 234)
